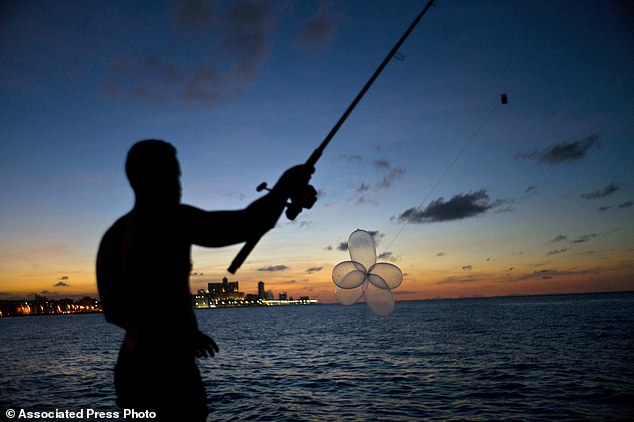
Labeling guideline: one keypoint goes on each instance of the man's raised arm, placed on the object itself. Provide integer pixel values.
(222, 228)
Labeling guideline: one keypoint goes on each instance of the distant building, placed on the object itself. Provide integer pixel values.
(88, 302)
(261, 293)
(225, 291)
(224, 287)
(251, 298)
(201, 300)
(227, 294)
(40, 305)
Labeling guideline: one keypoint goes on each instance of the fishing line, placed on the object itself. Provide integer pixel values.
(451, 164)
(362, 275)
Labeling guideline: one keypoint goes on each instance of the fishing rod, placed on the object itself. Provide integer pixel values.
(293, 209)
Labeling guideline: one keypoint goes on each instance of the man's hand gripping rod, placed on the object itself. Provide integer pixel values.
(293, 209)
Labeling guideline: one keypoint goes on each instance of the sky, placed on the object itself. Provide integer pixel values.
(469, 197)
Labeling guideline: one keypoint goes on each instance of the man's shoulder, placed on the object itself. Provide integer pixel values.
(117, 229)
(186, 208)
(110, 272)
(191, 214)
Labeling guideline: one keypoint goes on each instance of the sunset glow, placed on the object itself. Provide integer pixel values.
(468, 196)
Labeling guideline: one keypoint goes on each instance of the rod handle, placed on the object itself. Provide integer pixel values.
(243, 254)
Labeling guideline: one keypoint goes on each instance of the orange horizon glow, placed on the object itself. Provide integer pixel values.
(418, 284)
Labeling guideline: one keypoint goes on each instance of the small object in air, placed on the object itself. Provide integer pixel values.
(363, 277)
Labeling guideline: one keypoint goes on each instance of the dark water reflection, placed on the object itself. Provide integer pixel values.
(530, 358)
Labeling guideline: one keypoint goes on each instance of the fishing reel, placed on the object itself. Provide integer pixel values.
(298, 200)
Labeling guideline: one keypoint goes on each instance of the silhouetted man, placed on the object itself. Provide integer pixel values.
(143, 268)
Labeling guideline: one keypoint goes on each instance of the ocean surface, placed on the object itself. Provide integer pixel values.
(568, 357)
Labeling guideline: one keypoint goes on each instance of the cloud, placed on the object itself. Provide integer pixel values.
(385, 183)
(548, 273)
(404, 292)
(467, 267)
(531, 189)
(353, 158)
(544, 274)
(364, 187)
(376, 235)
(585, 238)
(382, 164)
(319, 30)
(387, 256)
(363, 199)
(600, 193)
(245, 43)
(61, 284)
(395, 174)
(194, 15)
(149, 78)
(441, 254)
(559, 238)
(459, 207)
(235, 194)
(314, 269)
(304, 223)
(272, 268)
(471, 278)
(623, 205)
(557, 251)
(562, 151)
(236, 39)
(64, 277)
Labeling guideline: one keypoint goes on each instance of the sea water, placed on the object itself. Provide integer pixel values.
(568, 357)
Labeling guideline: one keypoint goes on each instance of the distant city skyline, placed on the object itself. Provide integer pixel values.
(467, 196)
(228, 293)
(223, 294)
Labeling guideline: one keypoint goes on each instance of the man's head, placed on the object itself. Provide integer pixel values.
(153, 171)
